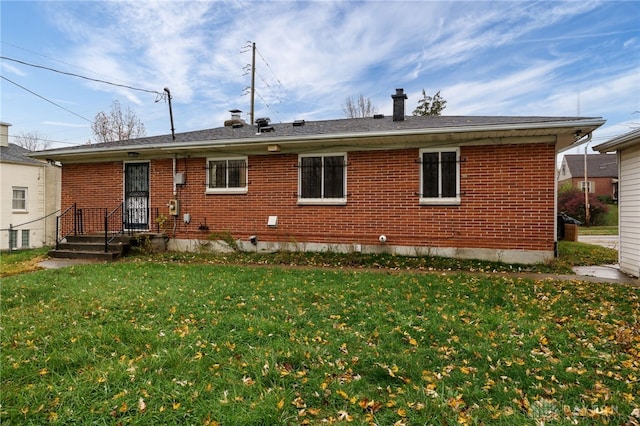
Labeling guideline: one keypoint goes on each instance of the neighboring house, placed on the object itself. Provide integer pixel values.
(602, 174)
(627, 149)
(467, 187)
(31, 197)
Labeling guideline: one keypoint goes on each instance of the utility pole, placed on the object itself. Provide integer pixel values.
(587, 216)
(253, 80)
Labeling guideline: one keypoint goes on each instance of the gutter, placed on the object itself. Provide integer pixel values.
(619, 142)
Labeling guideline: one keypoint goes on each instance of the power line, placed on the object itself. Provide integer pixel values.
(50, 140)
(62, 62)
(268, 66)
(270, 88)
(43, 98)
(155, 92)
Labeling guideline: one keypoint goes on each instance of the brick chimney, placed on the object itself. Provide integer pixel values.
(4, 133)
(398, 105)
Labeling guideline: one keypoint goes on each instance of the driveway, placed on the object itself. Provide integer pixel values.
(610, 241)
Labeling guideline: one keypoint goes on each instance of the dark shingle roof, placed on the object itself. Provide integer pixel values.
(598, 165)
(17, 155)
(342, 127)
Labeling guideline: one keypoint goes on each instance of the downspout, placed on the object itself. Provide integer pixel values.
(175, 193)
(175, 187)
(44, 204)
(173, 137)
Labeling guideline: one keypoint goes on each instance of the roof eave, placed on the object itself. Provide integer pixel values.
(581, 126)
(620, 142)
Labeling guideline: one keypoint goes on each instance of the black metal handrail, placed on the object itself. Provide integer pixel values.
(68, 215)
(114, 215)
(110, 224)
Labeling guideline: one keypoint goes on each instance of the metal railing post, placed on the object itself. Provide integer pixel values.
(106, 230)
(75, 219)
(57, 232)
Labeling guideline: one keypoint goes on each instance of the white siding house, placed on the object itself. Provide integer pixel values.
(627, 147)
(30, 191)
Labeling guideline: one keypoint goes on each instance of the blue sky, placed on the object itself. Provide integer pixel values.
(563, 58)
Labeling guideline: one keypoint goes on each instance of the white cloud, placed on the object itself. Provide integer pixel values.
(12, 69)
(510, 58)
(64, 124)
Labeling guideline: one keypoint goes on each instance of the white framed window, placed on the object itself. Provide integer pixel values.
(25, 238)
(19, 199)
(322, 179)
(13, 239)
(440, 176)
(227, 175)
(589, 185)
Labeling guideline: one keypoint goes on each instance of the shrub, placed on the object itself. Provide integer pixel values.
(607, 199)
(571, 202)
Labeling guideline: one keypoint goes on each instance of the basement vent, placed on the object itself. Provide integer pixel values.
(378, 116)
(298, 123)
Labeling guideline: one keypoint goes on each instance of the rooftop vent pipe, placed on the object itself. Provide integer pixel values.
(398, 105)
(263, 125)
(236, 120)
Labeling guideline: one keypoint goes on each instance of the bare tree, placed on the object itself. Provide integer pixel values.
(117, 125)
(31, 141)
(360, 108)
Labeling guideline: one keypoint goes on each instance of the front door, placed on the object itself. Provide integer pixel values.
(136, 196)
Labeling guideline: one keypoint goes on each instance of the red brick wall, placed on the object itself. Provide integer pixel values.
(507, 199)
(92, 185)
(603, 186)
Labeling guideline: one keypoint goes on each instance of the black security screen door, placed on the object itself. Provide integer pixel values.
(136, 196)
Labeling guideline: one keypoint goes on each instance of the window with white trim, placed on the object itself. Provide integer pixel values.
(322, 179)
(19, 199)
(227, 175)
(440, 176)
(13, 239)
(589, 185)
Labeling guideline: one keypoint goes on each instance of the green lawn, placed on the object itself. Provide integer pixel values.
(609, 224)
(19, 261)
(150, 342)
(598, 230)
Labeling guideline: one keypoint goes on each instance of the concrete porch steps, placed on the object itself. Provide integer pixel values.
(92, 247)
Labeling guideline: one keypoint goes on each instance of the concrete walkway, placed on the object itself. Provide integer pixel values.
(604, 273)
(54, 263)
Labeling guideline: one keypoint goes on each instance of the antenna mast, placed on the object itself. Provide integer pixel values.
(173, 130)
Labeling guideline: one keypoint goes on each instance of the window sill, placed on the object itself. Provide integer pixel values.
(322, 202)
(227, 191)
(440, 201)
(19, 211)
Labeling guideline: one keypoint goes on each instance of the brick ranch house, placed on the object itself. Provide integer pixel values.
(467, 187)
(602, 174)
